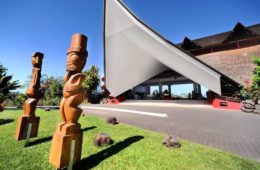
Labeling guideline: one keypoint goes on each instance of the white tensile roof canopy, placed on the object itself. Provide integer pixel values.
(135, 53)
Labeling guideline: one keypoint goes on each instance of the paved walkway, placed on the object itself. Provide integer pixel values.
(232, 131)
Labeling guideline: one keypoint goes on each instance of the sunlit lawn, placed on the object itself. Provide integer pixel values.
(133, 148)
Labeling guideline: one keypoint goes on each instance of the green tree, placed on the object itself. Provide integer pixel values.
(20, 99)
(91, 82)
(6, 85)
(256, 75)
(253, 91)
(51, 90)
(15, 99)
(256, 79)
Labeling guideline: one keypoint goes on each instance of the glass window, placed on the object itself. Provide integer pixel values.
(181, 90)
(204, 91)
(165, 90)
(154, 91)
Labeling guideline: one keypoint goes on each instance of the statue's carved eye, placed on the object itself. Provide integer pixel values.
(74, 57)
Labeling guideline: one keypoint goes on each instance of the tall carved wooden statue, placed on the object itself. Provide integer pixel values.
(32, 92)
(67, 139)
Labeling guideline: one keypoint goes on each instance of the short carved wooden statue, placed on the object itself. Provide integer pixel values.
(67, 139)
(30, 105)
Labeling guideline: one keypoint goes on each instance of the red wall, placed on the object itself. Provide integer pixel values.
(216, 103)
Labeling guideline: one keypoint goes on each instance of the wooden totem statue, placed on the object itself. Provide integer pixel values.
(30, 105)
(67, 140)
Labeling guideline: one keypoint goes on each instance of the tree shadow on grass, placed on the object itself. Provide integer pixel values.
(5, 121)
(95, 159)
(46, 139)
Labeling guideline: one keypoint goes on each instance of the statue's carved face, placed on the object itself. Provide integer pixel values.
(76, 61)
(37, 61)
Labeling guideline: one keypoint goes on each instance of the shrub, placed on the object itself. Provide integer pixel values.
(91, 82)
(253, 91)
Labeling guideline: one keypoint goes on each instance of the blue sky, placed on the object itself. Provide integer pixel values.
(47, 26)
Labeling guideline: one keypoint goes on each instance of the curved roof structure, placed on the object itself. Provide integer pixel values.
(135, 53)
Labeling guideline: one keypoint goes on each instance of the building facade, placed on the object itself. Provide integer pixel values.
(229, 52)
(141, 64)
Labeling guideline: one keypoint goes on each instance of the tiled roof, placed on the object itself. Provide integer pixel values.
(236, 64)
(219, 38)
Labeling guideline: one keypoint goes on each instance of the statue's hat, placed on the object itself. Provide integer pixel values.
(78, 44)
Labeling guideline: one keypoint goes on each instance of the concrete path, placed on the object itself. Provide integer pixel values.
(233, 131)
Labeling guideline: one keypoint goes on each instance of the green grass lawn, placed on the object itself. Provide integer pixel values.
(133, 148)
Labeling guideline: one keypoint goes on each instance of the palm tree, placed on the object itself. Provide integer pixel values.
(6, 85)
